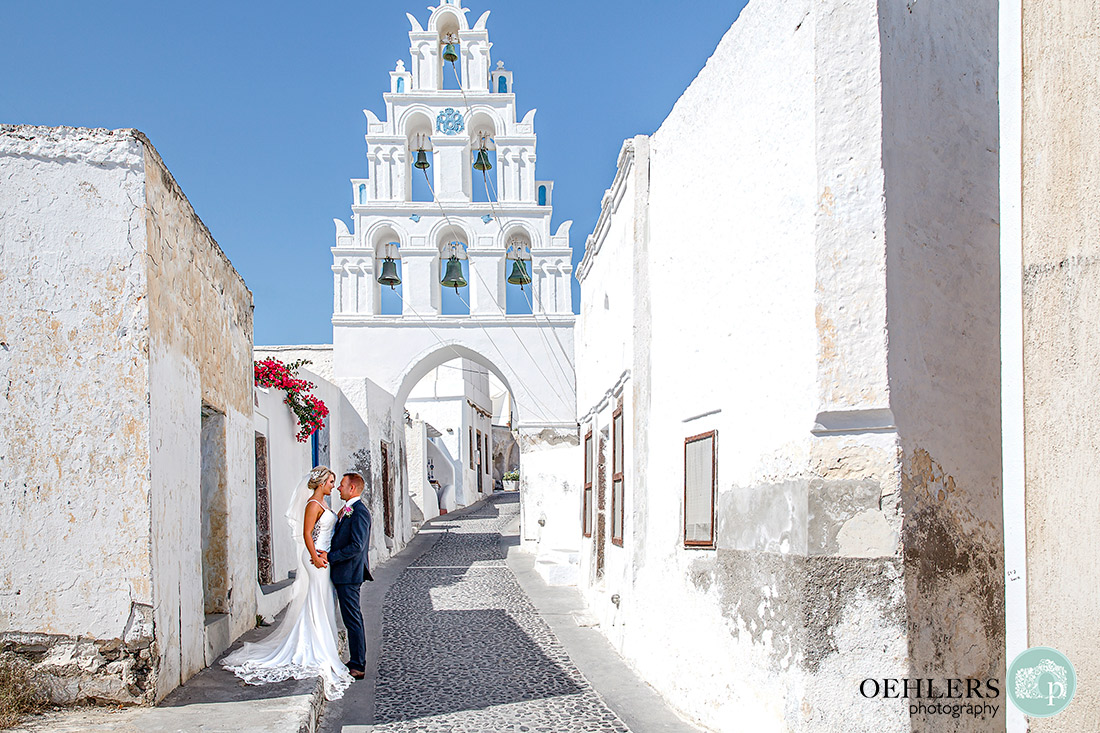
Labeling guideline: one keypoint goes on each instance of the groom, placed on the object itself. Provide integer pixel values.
(349, 566)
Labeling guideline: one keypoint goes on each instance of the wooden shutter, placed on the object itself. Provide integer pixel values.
(586, 504)
(618, 510)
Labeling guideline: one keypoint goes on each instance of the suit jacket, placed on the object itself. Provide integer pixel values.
(348, 563)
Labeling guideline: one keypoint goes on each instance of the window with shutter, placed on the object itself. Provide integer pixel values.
(618, 509)
(699, 489)
(586, 508)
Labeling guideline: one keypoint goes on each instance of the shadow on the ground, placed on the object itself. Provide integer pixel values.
(489, 660)
(459, 635)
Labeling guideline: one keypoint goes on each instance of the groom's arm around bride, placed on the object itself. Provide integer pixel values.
(349, 566)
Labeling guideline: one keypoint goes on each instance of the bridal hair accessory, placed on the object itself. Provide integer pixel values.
(318, 475)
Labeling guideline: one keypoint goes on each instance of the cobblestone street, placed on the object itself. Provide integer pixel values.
(464, 649)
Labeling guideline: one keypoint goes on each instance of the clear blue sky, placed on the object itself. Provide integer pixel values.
(257, 107)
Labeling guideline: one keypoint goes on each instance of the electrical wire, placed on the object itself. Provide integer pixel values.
(546, 412)
(519, 339)
(534, 311)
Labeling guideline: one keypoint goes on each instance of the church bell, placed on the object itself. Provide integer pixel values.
(482, 163)
(422, 160)
(449, 53)
(519, 274)
(389, 274)
(453, 277)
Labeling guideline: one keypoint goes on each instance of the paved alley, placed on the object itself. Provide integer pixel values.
(464, 649)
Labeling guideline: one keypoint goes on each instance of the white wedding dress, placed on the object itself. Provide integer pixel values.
(303, 645)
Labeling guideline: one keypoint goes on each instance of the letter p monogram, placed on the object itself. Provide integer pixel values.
(1051, 686)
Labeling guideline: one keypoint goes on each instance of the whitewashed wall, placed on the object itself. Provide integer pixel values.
(360, 417)
(288, 462)
(201, 346)
(148, 323)
(75, 439)
(778, 340)
(941, 162)
(366, 419)
(606, 332)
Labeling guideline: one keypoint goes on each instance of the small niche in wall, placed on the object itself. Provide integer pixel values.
(214, 509)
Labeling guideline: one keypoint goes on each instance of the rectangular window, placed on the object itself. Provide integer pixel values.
(699, 488)
(487, 461)
(586, 508)
(472, 464)
(618, 509)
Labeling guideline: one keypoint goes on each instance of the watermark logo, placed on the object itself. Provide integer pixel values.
(1041, 682)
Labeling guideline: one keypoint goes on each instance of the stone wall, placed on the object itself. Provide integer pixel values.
(1061, 318)
(76, 592)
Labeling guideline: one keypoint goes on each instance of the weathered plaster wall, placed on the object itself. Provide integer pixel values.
(848, 221)
(1061, 301)
(940, 141)
(742, 363)
(366, 421)
(200, 339)
(74, 440)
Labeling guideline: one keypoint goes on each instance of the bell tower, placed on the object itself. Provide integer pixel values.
(451, 200)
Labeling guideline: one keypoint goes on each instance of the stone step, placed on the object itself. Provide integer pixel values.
(557, 573)
(560, 556)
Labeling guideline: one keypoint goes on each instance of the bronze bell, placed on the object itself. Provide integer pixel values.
(519, 274)
(482, 163)
(450, 53)
(389, 274)
(422, 160)
(453, 277)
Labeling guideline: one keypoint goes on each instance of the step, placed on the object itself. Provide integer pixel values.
(557, 573)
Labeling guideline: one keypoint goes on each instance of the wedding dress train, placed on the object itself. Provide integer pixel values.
(303, 645)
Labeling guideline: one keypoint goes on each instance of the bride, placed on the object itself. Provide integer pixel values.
(303, 645)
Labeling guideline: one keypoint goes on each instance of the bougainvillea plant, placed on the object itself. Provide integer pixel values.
(310, 411)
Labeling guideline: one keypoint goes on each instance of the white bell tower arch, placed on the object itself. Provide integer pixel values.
(451, 126)
(451, 102)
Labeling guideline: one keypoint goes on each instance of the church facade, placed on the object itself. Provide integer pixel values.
(451, 255)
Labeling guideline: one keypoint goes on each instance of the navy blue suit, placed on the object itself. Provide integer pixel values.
(348, 568)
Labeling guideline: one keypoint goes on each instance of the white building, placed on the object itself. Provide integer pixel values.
(128, 443)
(454, 399)
(362, 433)
(449, 109)
(788, 371)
